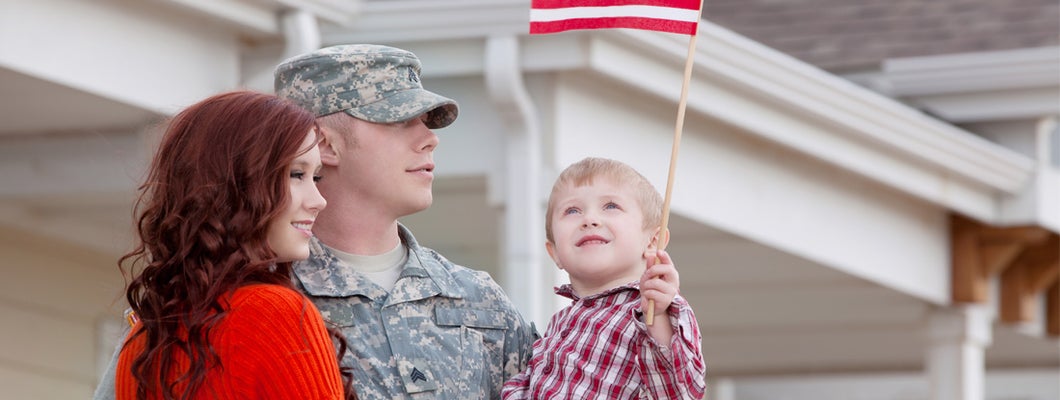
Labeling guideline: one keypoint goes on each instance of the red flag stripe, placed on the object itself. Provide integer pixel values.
(548, 4)
(556, 14)
(662, 25)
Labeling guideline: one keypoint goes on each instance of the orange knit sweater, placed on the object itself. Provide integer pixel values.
(272, 345)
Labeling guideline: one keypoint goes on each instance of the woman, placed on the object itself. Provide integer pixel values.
(228, 204)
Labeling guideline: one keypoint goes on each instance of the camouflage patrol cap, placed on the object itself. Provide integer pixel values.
(375, 83)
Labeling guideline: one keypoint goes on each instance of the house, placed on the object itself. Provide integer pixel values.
(849, 220)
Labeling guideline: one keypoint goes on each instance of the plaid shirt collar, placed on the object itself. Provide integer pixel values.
(567, 291)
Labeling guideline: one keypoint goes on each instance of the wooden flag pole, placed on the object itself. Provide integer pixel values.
(664, 235)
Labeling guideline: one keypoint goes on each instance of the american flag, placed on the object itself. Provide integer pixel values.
(674, 16)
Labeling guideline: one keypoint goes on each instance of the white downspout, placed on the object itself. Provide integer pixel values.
(522, 204)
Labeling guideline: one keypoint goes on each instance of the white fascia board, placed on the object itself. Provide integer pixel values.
(342, 12)
(140, 54)
(253, 18)
(974, 87)
(431, 20)
(261, 18)
(971, 72)
(841, 123)
(997, 105)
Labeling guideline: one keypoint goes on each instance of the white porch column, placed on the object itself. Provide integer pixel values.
(301, 33)
(720, 389)
(958, 337)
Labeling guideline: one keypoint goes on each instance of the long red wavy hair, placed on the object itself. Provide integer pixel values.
(217, 180)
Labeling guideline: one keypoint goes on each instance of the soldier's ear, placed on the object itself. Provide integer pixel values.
(330, 145)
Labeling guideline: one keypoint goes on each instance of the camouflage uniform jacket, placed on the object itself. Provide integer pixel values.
(443, 332)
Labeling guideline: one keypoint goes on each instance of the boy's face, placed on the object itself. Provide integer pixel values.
(599, 235)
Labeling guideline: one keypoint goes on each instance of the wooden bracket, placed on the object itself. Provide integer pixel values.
(1036, 270)
(981, 252)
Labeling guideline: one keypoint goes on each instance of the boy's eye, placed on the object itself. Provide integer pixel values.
(611, 205)
(569, 211)
(317, 178)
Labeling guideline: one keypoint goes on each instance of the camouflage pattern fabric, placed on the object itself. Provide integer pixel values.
(374, 83)
(443, 332)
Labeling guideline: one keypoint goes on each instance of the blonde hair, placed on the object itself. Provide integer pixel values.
(583, 173)
(338, 123)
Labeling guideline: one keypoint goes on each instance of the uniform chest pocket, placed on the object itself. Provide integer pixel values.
(481, 335)
(481, 331)
(470, 317)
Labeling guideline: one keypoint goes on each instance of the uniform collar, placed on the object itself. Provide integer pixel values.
(427, 263)
(321, 274)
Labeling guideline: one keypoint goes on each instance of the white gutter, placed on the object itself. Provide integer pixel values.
(522, 198)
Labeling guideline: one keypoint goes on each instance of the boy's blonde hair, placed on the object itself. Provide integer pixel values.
(585, 171)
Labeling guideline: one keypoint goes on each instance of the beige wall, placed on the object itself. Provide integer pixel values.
(54, 299)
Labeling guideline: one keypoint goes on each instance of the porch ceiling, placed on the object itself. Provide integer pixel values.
(32, 106)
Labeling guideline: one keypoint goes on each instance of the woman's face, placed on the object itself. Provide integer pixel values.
(289, 233)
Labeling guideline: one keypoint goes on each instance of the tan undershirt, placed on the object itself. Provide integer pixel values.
(383, 269)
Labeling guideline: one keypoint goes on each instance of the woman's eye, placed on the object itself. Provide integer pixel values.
(317, 178)
(299, 175)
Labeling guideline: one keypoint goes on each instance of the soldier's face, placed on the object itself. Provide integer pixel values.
(391, 165)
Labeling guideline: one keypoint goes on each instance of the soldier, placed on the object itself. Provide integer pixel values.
(416, 322)
(418, 325)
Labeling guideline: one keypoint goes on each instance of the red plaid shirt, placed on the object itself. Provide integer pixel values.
(598, 348)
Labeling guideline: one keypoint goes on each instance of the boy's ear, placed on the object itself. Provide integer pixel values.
(660, 239)
(551, 249)
(329, 145)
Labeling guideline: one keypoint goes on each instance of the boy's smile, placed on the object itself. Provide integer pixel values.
(591, 240)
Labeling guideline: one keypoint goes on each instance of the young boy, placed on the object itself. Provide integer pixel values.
(602, 227)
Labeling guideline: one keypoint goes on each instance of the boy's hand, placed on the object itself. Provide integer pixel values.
(659, 282)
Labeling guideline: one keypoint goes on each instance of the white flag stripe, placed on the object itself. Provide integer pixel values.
(559, 14)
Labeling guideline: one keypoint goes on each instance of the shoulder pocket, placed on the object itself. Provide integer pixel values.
(469, 317)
